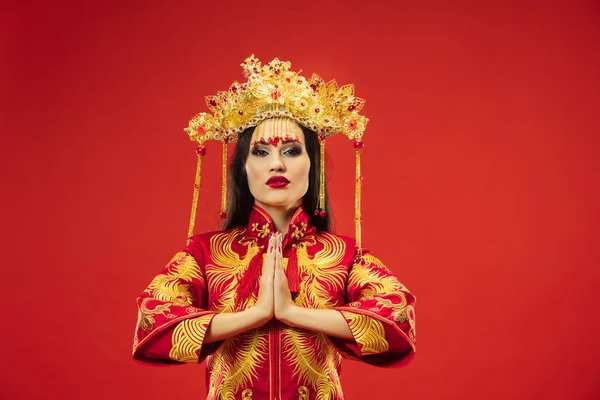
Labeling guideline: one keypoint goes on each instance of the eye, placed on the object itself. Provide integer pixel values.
(259, 152)
(293, 151)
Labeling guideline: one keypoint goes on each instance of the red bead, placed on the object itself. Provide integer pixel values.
(213, 103)
(223, 215)
(201, 150)
(241, 112)
(317, 110)
(351, 108)
(358, 144)
(323, 213)
(316, 212)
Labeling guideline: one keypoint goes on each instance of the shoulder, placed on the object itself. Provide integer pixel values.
(202, 238)
(348, 241)
(201, 242)
(341, 243)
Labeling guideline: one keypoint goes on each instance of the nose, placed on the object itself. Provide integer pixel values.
(276, 164)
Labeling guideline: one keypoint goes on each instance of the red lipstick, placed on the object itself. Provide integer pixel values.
(277, 182)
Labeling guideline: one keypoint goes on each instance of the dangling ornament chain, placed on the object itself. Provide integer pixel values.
(358, 146)
(224, 182)
(321, 209)
(200, 151)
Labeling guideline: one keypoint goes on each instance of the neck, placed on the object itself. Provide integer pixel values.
(281, 215)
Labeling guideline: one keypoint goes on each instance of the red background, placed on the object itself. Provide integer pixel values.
(481, 182)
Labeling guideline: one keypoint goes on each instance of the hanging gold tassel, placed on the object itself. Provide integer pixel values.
(358, 146)
(321, 209)
(200, 151)
(224, 182)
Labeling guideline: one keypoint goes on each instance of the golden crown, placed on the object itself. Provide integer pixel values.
(274, 90)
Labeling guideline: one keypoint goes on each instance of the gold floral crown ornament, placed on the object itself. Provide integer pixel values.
(274, 90)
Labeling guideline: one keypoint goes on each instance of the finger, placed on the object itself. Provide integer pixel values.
(269, 251)
(279, 259)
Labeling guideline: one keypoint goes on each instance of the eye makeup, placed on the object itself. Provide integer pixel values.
(290, 150)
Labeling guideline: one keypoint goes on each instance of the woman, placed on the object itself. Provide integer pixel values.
(274, 300)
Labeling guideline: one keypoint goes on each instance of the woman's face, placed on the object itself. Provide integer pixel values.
(278, 164)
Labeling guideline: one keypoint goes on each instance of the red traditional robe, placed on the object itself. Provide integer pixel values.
(275, 361)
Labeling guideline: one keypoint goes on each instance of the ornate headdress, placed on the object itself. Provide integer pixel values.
(274, 90)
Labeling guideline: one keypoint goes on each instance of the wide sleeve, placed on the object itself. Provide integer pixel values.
(172, 316)
(380, 313)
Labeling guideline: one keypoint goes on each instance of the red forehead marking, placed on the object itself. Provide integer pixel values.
(274, 140)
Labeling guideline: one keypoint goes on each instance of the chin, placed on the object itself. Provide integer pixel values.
(279, 201)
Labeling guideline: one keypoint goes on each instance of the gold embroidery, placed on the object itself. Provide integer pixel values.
(262, 232)
(298, 231)
(324, 272)
(371, 281)
(368, 332)
(402, 313)
(247, 394)
(228, 268)
(146, 319)
(370, 258)
(175, 285)
(333, 361)
(304, 393)
(306, 351)
(234, 365)
(188, 337)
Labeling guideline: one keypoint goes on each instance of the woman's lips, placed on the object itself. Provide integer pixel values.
(277, 182)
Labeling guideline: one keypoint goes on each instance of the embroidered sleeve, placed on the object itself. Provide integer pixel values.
(172, 316)
(380, 314)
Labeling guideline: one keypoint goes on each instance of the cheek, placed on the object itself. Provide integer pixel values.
(251, 173)
(303, 170)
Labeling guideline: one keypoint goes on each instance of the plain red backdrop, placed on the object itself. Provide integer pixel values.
(481, 182)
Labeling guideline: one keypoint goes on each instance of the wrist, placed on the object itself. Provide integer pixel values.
(290, 316)
(258, 316)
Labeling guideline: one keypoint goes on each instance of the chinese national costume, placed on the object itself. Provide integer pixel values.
(275, 361)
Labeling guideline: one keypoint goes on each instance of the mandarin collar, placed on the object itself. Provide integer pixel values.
(261, 225)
